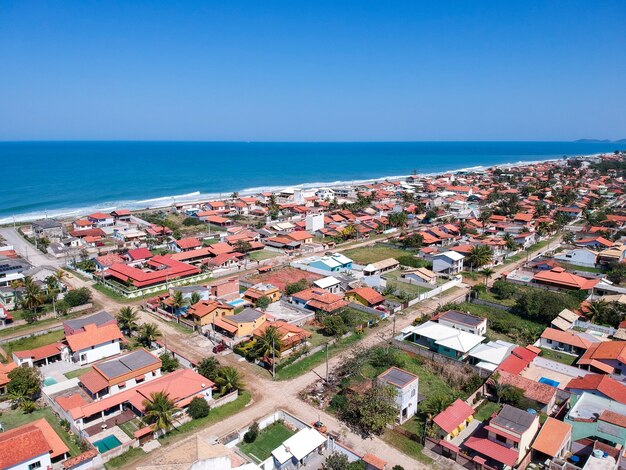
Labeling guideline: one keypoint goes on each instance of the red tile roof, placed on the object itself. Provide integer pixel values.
(552, 436)
(41, 352)
(93, 335)
(519, 359)
(607, 350)
(566, 337)
(140, 253)
(537, 391)
(454, 415)
(22, 444)
(369, 294)
(604, 384)
(187, 243)
(164, 267)
(493, 450)
(564, 279)
(613, 418)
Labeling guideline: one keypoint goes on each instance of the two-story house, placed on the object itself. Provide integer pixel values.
(406, 385)
(94, 343)
(463, 321)
(448, 262)
(505, 441)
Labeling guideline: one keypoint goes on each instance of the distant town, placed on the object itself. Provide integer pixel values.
(471, 319)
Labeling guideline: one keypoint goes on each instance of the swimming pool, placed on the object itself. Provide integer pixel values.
(237, 302)
(108, 443)
(49, 381)
(547, 381)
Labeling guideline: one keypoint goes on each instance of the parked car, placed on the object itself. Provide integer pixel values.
(218, 348)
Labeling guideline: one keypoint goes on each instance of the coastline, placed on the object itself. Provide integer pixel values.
(197, 196)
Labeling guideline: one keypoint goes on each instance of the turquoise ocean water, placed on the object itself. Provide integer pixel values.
(74, 178)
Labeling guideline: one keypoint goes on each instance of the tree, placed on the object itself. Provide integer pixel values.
(128, 320)
(269, 343)
(195, 298)
(334, 326)
(413, 241)
(503, 289)
(543, 306)
(177, 301)
(148, 333)
(198, 408)
(243, 246)
(228, 380)
(568, 237)
(479, 255)
(76, 297)
(369, 413)
(168, 363)
(336, 461)
(487, 272)
(398, 219)
(435, 404)
(511, 395)
(159, 411)
(24, 385)
(510, 242)
(32, 297)
(617, 273)
(484, 218)
(209, 368)
(297, 286)
(263, 302)
(252, 433)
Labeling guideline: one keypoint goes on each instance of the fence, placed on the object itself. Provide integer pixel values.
(438, 290)
(136, 293)
(452, 452)
(491, 304)
(436, 357)
(608, 330)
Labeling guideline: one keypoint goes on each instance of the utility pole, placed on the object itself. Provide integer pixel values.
(273, 360)
(326, 362)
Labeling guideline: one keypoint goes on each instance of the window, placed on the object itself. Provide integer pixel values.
(34, 465)
(413, 392)
(500, 438)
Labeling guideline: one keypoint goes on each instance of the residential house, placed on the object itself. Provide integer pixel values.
(420, 275)
(608, 357)
(505, 441)
(559, 278)
(449, 262)
(30, 446)
(570, 342)
(565, 320)
(597, 242)
(41, 356)
(553, 441)
(365, 296)
(51, 229)
(319, 299)
(578, 257)
(101, 220)
(226, 289)
(4, 375)
(241, 324)
(601, 385)
(77, 325)
(335, 262)
(443, 339)
(94, 343)
(490, 355)
(138, 256)
(329, 283)
(11, 270)
(462, 321)
(451, 421)
(407, 386)
(124, 372)
(160, 269)
(205, 312)
(300, 236)
(299, 449)
(597, 417)
(121, 215)
(381, 267)
(615, 254)
(254, 293)
(290, 335)
(185, 244)
(541, 395)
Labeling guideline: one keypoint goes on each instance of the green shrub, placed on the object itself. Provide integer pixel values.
(77, 297)
(198, 408)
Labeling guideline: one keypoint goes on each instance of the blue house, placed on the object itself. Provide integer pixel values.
(333, 263)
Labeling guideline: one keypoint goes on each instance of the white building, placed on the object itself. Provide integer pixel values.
(406, 385)
(329, 283)
(449, 262)
(578, 257)
(94, 343)
(314, 222)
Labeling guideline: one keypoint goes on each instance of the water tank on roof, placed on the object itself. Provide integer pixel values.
(598, 454)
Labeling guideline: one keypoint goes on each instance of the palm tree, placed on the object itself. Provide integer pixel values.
(484, 218)
(597, 309)
(33, 297)
(59, 275)
(234, 195)
(487, 272)
(127, 320)
(510, 241)
(462, 227)
(148, 333)
(159, 411)
(568, 237)
(269, 343)
(178, 301)
(195, 298)
(479, 255)
(228, 380)
(15, 285)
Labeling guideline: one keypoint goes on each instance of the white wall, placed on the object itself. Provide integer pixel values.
(44, 460)
(99, 352)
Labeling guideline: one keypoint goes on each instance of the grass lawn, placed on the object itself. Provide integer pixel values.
(38, 325)
(127, 458)
(112, 294)
(13, 418)
(372, 254)
(557, 356)
(129, 427)
(262, 254)
(486, 409)
(310, 362)
(77, 372)
(490, 297)
(215, 415)
(406, 445)
(268, 440)
(31, 342)
(572, 267)
(393, 276)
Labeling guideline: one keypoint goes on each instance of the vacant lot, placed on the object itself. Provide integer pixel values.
(32, 342)
(372, 254)
(268, 440)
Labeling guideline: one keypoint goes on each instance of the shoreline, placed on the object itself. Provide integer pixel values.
(197, 196)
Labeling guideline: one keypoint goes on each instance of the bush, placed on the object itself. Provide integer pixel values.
(297, 286)
(543, 306)
(76, 297)
(168, 363)
(503, 290)
(252, 433)
(190, 221)
(198, 408)
(334, 326)
(412, 262)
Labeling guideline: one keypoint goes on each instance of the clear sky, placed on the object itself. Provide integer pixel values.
(315, 70)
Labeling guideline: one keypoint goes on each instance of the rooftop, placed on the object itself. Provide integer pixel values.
(397, 377)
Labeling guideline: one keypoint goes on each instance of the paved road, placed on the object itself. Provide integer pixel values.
(28, 251)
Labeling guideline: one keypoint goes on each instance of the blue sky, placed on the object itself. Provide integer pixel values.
(316, 70)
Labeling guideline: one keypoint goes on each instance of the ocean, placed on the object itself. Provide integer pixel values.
(74, 178)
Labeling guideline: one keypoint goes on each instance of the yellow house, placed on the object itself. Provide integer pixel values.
(241, 324)
(254, 293)
(364, 296)
(203, 313)
(454, 419)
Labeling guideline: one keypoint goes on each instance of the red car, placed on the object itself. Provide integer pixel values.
(218, 348)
